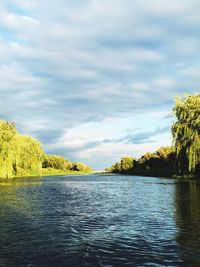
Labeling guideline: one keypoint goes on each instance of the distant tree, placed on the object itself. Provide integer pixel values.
(186, 134)
(117, 167)
(162, 161)
(144, 161)
(162, 158)
(81, 167)
(68, 165)
(60, 163)
(54, 161)
(127, 163)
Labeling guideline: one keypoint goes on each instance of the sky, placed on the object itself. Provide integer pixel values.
(95, 80)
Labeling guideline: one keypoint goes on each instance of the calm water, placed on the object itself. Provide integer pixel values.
(99, 221)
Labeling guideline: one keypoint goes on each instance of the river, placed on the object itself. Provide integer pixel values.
(99, 220)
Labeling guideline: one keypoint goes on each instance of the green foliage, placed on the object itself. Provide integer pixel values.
(18, 153)
(68, 165)
(81, 167)
(162, 158)
(60, 163)
(126, 164)
(30, 154)
(186, 134)
(22, 155)
(8, 148)
(186, 145)
(159, 163)
(116, 168)
(54, 161)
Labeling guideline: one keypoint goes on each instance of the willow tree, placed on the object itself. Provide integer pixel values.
(30, 155)
(9, 148)
(186, 134)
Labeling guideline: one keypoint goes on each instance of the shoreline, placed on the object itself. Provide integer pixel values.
(45, 173)
(56, 172)
(174, 177)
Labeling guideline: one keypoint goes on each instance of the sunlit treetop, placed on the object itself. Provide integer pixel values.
(186, 133)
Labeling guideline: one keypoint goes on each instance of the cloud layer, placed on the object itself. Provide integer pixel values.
(79, 75)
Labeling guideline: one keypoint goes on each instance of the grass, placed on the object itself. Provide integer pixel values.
(49, 172)
(185, 177)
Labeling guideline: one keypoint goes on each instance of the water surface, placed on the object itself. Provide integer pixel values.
(99, 220)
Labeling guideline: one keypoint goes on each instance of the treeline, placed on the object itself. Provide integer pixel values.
(60, 163)
(182, 158)
(22, 155)
(159, 163)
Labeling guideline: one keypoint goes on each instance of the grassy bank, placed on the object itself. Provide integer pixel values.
(49, 172)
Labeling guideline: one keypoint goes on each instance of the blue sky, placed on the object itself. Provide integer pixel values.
(95, 80)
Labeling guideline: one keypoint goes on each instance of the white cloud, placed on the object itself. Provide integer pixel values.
(164, 82)
(139, 86)
(13, 21)
(15, 77)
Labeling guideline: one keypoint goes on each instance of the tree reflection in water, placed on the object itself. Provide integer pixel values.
(17, 211)
(188, 221)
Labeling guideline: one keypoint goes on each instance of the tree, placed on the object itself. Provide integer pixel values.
(54, 161)
(22, 155)
(127, 163)
(160, 163)
(186, 134)
(81, 167)
(60, 163)
(30, 154)
(68, 165)
(160, 159)
(9, 148)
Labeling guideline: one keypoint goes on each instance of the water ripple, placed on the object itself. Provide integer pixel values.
(100, 221)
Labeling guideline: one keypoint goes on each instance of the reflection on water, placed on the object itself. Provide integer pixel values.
(12, 201)
(188, 221)
(17, 211)
(99, 221)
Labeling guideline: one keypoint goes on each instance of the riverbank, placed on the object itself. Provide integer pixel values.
(158, 173)
(54, 172)
(49, 172)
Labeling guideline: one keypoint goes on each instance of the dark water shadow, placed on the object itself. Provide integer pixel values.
(187, 204)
